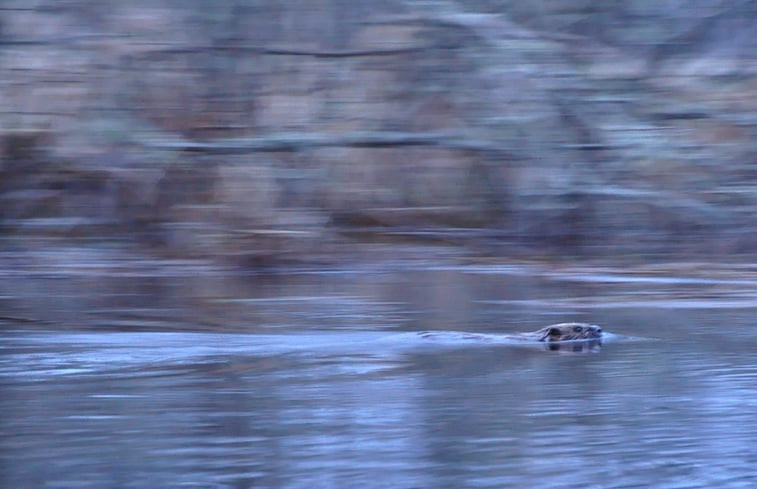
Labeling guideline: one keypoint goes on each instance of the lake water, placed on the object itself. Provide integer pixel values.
(136, 375)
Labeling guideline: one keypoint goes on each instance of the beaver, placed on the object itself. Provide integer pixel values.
(566, 337)
(574, 334)
(564, 332)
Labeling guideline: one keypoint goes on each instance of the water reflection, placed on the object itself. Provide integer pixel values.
(591, 346)
(304, 400)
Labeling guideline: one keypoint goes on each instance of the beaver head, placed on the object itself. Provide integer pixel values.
(570, 332)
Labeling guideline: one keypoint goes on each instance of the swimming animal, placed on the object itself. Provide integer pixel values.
(562, 336)
(563, 332)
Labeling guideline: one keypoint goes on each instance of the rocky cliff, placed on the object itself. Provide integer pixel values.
(272, 130)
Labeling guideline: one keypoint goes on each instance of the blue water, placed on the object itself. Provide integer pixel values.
(321, 380)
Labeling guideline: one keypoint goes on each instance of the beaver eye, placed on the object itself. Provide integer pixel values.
(577, 329)
(599, 330)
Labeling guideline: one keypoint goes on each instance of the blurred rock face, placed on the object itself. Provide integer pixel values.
(281, 129)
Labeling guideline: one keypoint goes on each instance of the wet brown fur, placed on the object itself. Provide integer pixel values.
(564, 332)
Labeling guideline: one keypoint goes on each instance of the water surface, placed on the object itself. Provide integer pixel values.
(318, 378)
